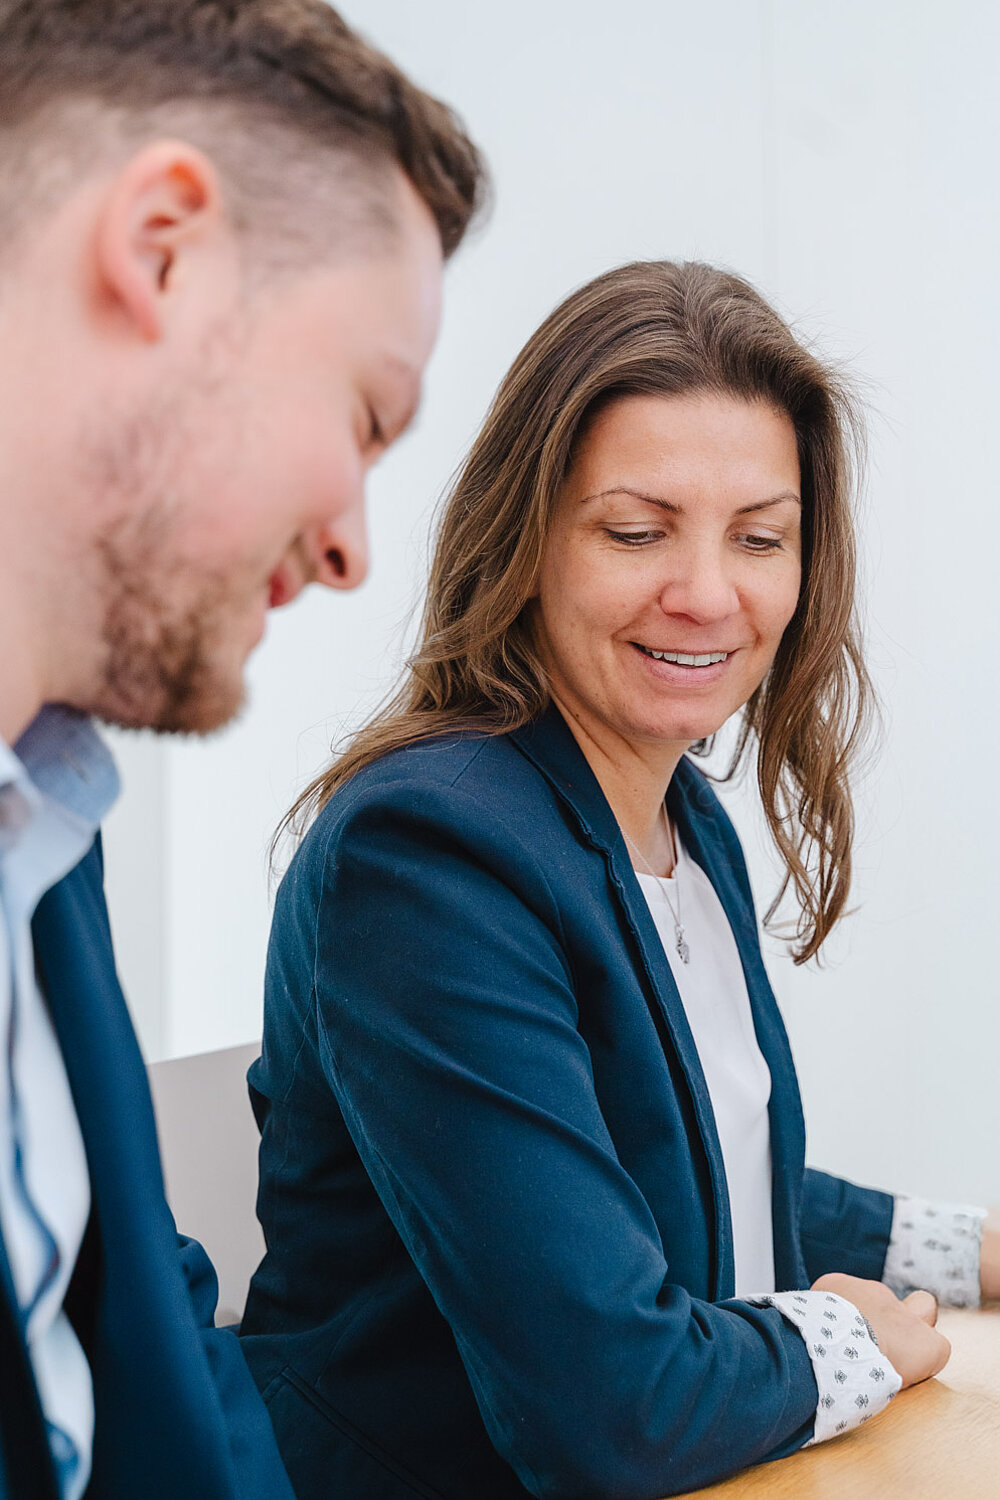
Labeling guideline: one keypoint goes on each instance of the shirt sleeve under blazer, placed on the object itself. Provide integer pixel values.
(463, 960)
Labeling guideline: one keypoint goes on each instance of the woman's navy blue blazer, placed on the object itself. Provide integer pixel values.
(500, 1256)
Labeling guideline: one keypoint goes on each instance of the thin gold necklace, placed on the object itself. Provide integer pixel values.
(680, 942)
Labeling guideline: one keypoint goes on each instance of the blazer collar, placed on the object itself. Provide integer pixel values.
(549, 743)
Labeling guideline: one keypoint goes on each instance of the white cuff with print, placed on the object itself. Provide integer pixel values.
(854, 1379)
(935, 1246)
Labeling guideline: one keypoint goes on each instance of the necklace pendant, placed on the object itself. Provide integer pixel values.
(682, 947)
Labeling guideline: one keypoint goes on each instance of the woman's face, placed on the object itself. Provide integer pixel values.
(672, 568)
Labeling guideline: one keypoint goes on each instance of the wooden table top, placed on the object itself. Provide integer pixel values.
(937, 1441)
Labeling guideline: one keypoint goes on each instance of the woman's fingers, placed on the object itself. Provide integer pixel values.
(944, 1354)
(924, 1304)
(904, 1331)
(989, 1259)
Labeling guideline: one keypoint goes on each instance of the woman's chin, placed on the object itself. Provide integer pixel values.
(681, 733)
(679, 722)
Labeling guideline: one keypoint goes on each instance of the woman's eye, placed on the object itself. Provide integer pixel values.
(755, 543)
(633, 538)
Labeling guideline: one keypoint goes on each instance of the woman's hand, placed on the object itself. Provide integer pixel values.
(904, 1329)
(989, 1261)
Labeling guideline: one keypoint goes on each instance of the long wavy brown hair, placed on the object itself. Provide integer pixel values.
(664, 329)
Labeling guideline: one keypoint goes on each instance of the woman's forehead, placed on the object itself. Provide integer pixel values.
(666, 449)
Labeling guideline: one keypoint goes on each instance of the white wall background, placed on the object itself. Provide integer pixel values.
(843, 156)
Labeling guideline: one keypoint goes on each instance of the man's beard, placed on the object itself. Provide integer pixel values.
(167, 661)
(164, 665)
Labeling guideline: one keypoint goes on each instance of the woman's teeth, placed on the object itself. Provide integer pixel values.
(684, 658)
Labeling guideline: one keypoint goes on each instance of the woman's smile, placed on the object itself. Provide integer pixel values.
(684, 658)
(689, 669)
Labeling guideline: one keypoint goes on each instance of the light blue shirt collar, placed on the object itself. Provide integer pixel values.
(62, 758)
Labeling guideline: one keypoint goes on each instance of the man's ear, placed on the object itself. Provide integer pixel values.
(161, 208)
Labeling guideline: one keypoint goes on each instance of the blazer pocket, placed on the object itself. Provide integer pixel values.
(325, 1453)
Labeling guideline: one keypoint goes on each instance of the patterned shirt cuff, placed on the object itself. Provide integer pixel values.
(935, 1246)
(855, 1381)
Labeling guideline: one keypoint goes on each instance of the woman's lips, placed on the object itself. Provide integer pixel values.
(678, 674)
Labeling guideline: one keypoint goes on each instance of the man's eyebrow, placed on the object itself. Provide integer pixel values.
(669, 505)
(411, 384)
(406, 417)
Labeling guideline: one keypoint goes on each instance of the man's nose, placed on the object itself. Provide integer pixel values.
(341, 550)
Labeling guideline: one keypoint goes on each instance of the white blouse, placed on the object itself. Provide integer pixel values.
(714, 994)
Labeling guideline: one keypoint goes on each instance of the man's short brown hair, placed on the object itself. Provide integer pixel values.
(269, 79)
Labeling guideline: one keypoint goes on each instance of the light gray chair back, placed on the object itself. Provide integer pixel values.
(208, 1140)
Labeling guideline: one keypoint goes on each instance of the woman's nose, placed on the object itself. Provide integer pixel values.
(700, 587)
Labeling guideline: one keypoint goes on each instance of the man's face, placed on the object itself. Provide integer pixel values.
(240, 479)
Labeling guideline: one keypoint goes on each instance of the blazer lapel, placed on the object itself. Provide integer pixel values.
(550, 745)
(709, 838)
(103, 1062)
(149, 1375)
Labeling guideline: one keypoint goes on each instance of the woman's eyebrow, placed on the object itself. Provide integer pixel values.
(744, 510)
(624, 489)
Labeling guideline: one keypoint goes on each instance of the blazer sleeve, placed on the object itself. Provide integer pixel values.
(258, 1471)
(844, 1227)
(448, 1032)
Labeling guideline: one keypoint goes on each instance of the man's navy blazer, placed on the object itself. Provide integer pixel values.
(177, 1414)
(491, 1184)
